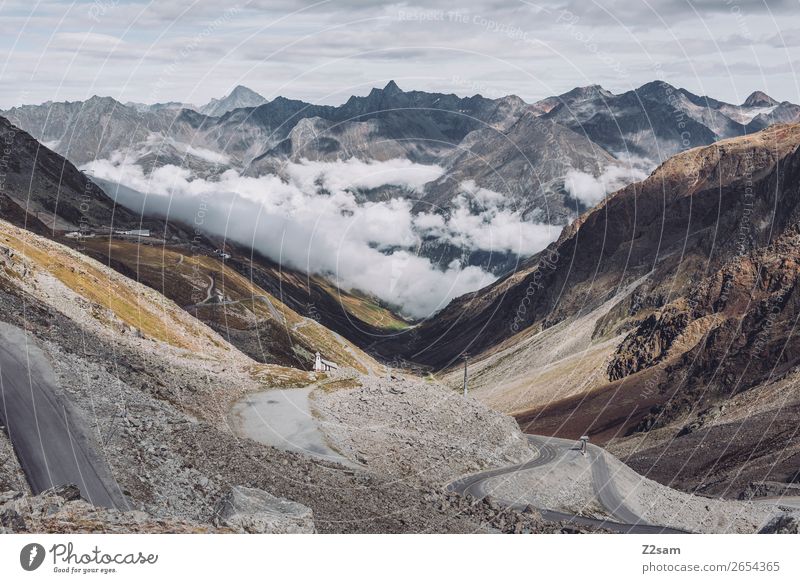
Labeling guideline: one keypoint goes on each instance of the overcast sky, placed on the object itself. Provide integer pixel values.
(325, 51)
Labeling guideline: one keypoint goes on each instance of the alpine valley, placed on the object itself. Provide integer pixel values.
(259, 315)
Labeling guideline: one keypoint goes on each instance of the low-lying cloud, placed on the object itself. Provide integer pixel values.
(478, 219)
(312, 220)
(590, 189)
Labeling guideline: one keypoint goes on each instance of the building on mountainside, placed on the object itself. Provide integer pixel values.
(322, 365)
(79, 235)
(135, 233)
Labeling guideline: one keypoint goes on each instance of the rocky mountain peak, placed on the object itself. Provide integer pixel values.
(514, 100)
(240, 91)
(759, 99)
(591, 91)
(392, 88)
(97, 100)
(239, 97)
(656, 89)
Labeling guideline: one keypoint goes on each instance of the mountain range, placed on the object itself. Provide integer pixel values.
(661, 316)
(655, 120)
(549, 161)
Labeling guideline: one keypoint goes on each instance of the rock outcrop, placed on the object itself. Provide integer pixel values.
(60, 510)
(784, 524)
(648, 343)
(255, 511)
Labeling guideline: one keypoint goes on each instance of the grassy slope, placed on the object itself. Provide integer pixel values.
(247, 308)
(153, 316)
(365, 308)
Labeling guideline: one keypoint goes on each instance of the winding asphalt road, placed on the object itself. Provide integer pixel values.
(607, 491)
(549, 449)
(47, 436)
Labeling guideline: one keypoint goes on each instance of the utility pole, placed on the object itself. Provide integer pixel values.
(465, 356)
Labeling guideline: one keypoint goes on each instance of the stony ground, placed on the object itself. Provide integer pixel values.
(157, 412)
(659, 504)
(59, 512)
(416, 430)
(11, 476)
(565, 485)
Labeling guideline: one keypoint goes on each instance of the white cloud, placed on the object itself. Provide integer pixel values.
(355, 173)
(479, 220)
(312, 221)
(156, 142)
(590, 189)
(202, 153)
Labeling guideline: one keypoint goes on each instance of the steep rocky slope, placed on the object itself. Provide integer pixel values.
(45, 192)
(695, 212)
(152, 386)
(743, 446)
(527, 164)
(675, 295)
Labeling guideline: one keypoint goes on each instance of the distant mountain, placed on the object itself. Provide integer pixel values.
(526, 163)
(653, 121)
(386, 123)
(496, 143)
(704, 110)
(418, 114)
(572, 97)
(84, 131)
(169, 105)
(658, 120)
(759, 99)
(240, 97)
(783, 113)
(645, 122)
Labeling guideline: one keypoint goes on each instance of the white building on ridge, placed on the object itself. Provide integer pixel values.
(322, 365)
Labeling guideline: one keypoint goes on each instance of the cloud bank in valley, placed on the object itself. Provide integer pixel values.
(590, 189)
(312, 220)
(479, 220)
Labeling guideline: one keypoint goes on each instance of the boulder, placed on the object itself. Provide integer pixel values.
(783, 524)
(255, 511)
(68, 492)
(12, 520)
